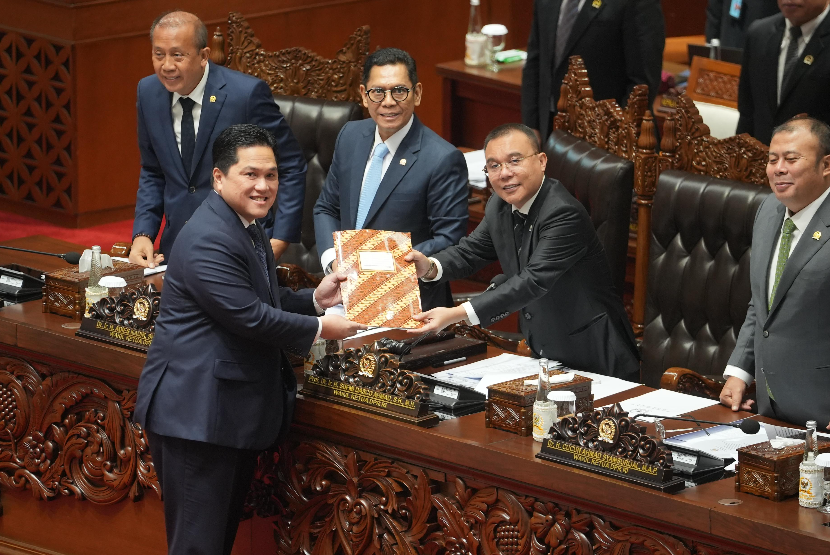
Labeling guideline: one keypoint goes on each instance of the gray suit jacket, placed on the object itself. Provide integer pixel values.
(560, 284)
(788, 344)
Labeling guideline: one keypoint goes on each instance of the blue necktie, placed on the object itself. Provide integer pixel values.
(253, 231)
(371, 184)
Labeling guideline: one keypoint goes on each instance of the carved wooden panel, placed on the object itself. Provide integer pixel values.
(36, 126)
(334, 500)
(64, 433)
(298, 71)
(717, 85)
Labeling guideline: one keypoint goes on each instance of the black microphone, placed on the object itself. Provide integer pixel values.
(747, 425)
(71, 257)
(496, 281)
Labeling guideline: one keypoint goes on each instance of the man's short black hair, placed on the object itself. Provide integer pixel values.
(244, 135)
(818, 128)
(387, 57)
(507, 128)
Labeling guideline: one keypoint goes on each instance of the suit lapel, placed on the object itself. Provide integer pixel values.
(162, 104)
(770, 70)
(812, 49)
(510, 264)
(362, 151)
(806, 248)
(583, 19)
(766, 245)
(210, 112)
(405, 157)
(532, 216)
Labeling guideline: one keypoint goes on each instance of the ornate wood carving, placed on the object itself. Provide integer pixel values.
(69, 434)
(475, 332)
(335, 500)
(36, 122)
(295, 277)
(717, 85)
(296, 71)
(689, 381)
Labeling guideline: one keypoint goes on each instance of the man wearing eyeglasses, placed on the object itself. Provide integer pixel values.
(557, 275)
(391, 172)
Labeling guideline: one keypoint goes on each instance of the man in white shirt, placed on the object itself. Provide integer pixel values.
(783, 340)
(786, 68)
(392, 173)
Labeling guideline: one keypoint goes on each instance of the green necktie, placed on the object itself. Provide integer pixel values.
(783, 255)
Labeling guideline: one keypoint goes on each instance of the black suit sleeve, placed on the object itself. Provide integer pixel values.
(530, 76)
(644, 41)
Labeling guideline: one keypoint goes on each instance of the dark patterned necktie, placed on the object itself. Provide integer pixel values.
(791, 58)
(563, 29)
(188, 133)
(518, 229)
(256, 237)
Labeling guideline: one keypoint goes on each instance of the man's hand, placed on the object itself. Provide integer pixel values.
(327, 293)
(732, 394)
(337, 327)
(278, 246)
(421, 262)
(141, 253)
(439, 318)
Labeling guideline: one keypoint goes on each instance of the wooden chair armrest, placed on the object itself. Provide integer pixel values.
(689, 381)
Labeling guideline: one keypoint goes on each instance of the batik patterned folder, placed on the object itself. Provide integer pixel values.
(382, 288)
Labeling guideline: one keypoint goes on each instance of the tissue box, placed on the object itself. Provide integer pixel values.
(771, 473)
(63, 291)
(509, 405)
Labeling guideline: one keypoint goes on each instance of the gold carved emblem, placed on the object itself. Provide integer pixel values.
(596, 4)
(817, 235)
(141, 308)
(808, 59)
(607, 430)
(368, 366)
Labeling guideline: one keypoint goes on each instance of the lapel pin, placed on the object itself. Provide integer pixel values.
(808, 59)
(403, 161)
(817, 235)
(530, 228)
(596, 3)
(213, 98)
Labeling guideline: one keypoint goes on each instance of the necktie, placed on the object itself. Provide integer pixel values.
(371, 184)
(253, 231)
(783, 255)
(791, 58)
(563, 30)
(188, 133)
(518, 229)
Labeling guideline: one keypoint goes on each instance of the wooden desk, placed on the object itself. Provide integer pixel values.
(457, 487)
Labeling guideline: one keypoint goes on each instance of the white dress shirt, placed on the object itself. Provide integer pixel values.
(806, 33)
(472, 317)
(392, 143)
(197, 96)
(801, 219)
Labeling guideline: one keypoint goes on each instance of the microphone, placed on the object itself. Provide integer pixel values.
(496, 281)
(70, 257)
(747, 425)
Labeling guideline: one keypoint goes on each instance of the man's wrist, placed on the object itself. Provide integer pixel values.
(432, 271)
(137, 235)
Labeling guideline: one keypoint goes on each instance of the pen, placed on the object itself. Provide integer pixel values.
(451, 361)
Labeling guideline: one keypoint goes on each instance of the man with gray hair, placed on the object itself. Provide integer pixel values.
(181, 111)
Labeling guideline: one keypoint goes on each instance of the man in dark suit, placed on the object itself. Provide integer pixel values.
(216, 388)
(783, 343)
(785, 69)
(181, 110)
(620, 41)
(390, 172)
(728, 20)
(557, 273)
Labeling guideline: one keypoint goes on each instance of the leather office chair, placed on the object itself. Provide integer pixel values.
(698, 281)
(316, 124)
(602, 182)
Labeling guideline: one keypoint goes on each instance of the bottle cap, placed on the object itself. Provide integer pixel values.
(475, 2)
(811, 423)
(562, 396)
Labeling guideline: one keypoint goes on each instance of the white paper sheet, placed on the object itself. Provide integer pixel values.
(481, 375)
(605, 386)
(722, 441)
(666, 403)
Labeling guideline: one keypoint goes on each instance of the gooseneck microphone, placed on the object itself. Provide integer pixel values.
(747, 425)
(70, 257)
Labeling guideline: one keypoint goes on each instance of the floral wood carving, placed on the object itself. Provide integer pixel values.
(717, 85)
(69, 434)
(298, 71)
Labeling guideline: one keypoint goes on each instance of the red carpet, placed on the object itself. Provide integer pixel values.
(13, 226)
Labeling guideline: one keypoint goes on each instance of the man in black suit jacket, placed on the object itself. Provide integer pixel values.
(769, 92)
(728, 23)
(216, 388)
(557, 273)
(620, 41)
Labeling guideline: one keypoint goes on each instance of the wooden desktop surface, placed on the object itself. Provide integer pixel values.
(461, 448)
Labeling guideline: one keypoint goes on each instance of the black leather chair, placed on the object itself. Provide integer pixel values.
(698, 281)
(315, 123)
(603, 183)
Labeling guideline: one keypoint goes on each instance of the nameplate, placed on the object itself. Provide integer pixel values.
(116, 334)
(363, 396)
(128, 320)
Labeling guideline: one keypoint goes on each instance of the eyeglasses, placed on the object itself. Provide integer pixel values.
(512, 164)
(377, 95)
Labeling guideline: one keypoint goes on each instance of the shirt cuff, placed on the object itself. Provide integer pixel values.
(472, 317)
(327, 258)
(319, 328)
(738, 373)
(317, 308)
(440, 271)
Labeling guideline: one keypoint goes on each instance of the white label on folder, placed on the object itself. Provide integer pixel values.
(445, 392)
(376, 261)
(683, 457)
(8, 280)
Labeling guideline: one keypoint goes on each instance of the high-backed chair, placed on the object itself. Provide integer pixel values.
(713, 86)
(698, 281)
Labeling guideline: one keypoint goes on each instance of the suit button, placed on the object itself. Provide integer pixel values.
(192, 189)
(766, 333)
(528, 316)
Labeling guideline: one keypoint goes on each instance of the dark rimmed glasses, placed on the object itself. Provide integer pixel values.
(399, 94)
